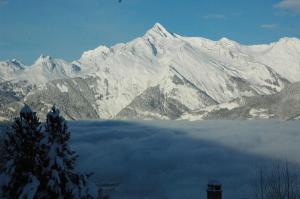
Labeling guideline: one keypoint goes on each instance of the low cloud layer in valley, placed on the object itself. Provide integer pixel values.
(176, 159)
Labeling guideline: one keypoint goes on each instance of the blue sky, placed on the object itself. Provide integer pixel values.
(66, 28)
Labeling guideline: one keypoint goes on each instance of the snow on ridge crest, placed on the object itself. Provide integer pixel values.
(206, 70)
(158, 47)
(95, 52)
(227, 42)
(289, 39)
(43, 58)
(158, 31)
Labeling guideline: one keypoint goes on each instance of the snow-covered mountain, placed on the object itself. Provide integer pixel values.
(9, 69)
(283, 105)
(160, 75)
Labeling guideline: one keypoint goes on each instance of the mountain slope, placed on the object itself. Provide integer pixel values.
(9, 69)
(158, 75)
(284, 105)
(167, 100)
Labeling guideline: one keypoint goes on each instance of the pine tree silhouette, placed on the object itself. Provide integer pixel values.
(40, 164)
(62, 181)
(18, 177)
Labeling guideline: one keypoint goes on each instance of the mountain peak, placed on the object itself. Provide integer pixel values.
(286, 40)
(226, 41)
(43, 58)
(158, 26)
(13, 64)
(16, 62)
(158, 31)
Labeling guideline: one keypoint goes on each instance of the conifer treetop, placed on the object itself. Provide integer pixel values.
(53, 115)
(26, 109)
(27, 113)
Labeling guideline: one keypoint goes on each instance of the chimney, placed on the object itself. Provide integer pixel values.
(214, 190)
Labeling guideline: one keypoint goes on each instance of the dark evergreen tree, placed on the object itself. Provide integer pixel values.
(40, 164)
(19, 174)
(60, 178)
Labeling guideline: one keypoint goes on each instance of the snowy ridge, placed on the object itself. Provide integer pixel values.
(8, 69)
(189, 73)
(284, 105)
(44, 69)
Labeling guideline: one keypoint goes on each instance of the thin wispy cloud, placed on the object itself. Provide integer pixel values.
(214, 16)
(291, 5)
(269, 26)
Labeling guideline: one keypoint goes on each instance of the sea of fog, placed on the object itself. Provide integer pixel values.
(176, 159)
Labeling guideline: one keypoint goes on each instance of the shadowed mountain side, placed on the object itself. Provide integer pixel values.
(66, 94)
(167, 100)
(284, 105)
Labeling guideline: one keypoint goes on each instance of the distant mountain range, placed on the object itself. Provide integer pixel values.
(161, 75)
